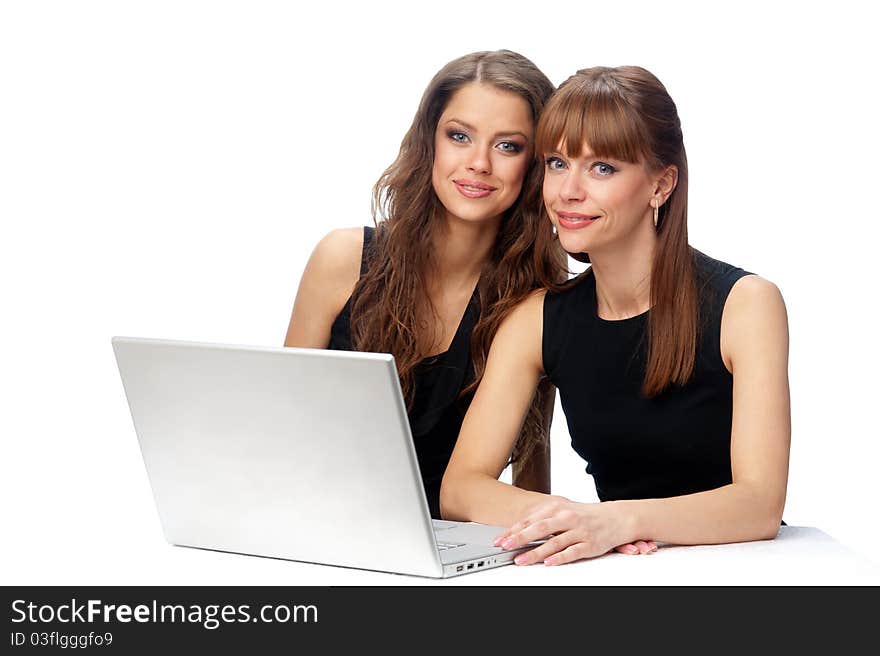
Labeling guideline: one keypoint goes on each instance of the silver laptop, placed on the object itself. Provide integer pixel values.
(301, 454)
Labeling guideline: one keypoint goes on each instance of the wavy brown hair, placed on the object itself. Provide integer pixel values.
(392, 295)
(626, 113)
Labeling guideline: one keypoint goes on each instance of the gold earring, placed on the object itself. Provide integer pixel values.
(656, 205)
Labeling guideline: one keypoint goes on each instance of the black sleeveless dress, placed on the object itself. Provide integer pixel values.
(437, 412)
(636, 447)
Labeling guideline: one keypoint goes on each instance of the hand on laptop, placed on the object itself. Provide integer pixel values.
(572, 531)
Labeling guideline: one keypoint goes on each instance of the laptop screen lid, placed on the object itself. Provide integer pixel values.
(301, 454)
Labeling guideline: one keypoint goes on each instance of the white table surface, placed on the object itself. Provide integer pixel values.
(798, 556)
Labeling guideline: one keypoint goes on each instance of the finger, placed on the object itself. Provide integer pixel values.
(513, 530)
(538, 513)
(642, 546)
(653, 546)
(628, 549)
(577, 551)
(516, 528)
(543, 528)
(541, 553)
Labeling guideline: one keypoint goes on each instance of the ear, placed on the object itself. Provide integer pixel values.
(666, 182)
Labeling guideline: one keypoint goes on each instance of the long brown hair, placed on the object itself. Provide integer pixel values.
(626, 113)
(390, 295)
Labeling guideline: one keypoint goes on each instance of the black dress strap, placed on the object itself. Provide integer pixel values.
(369, 232)
(340, 330)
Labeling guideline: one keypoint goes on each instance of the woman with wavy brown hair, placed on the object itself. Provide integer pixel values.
(459, 241)
(671, 366)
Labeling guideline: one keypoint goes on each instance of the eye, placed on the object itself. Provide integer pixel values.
(458, 137)
(554, 163)
(509, 147)
(602, 169)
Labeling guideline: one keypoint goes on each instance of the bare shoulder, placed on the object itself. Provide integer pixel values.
(754, 320)
(753, 295)
(330, 276)
(528, 313)
(519, 335)
(339, 253)
(335, 264)
(344, 239)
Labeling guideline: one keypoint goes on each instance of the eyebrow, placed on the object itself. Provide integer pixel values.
(588, 156)
(509, 133)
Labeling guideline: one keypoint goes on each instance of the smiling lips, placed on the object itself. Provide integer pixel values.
(473, 188)
(575, 221)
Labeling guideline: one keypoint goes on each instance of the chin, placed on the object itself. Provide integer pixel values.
(575, 245)
(471, 214)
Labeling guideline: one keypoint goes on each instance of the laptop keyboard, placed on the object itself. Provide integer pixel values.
(443, 546)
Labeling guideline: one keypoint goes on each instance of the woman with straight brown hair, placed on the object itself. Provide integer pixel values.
(459, 241)
(671, 366)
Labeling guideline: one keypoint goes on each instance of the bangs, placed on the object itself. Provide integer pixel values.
(592, 114)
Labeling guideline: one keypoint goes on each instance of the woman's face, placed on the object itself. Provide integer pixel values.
(594, 202)
(482, 149)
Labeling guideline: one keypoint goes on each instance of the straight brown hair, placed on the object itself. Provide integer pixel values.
(626, 113)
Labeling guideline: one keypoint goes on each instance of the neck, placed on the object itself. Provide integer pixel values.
(623, 275)
(461, 248)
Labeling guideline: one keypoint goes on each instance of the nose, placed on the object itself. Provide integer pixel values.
(572, 188)
(479, 161)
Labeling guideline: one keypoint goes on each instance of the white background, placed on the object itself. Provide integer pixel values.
(167, 167)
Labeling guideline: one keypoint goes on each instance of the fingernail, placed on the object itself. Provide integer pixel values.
(507, 544)
(550, 561)
(520, 560)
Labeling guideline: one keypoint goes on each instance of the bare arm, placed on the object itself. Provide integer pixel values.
(471, 489)
(754, 346)
(327, 281)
